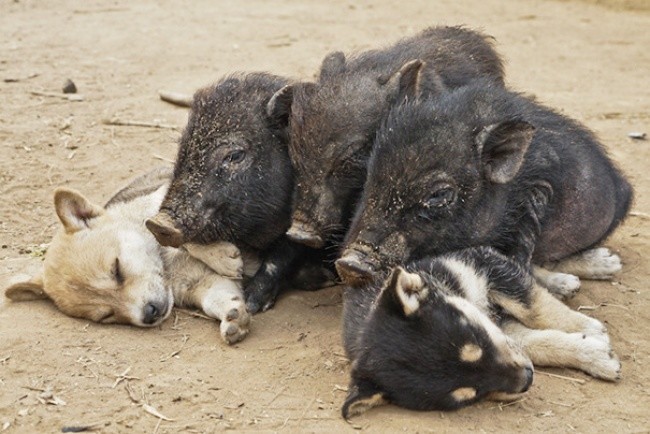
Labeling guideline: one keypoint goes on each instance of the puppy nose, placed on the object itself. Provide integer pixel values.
(152, 312)
(528, 378)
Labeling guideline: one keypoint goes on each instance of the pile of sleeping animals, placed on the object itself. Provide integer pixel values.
(456, 211)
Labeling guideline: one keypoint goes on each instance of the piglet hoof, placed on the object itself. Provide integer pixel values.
(596, 264)
(598, 359)
(261, 295)
(257, 305)
(601, 264)
(235, 326)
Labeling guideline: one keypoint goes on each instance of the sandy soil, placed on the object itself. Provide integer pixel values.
(290, 374)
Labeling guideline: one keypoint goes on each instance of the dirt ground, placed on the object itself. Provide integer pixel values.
(290, 374)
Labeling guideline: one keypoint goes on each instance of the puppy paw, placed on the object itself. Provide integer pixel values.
(598, 360)
(231, 266)
(235, 324)
(223, 258)
(562, 285)
(596, 330)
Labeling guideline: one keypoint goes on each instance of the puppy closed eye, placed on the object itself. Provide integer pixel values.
(108, 318)
(118, 276)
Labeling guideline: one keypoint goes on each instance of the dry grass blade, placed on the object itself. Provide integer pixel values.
(84, 428)
(129, 123)
(131, 393)
(562, 377)
(503, 405)
(176, 98)
(152, 411)
(159, 157)
(122, 377)
(68, 96)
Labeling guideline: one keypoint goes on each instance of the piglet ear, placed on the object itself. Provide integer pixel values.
(278, 108)
(74, 210)
(406, 83)
(333, 64)
(31, 289)
(362, 396)
(406, 289)
(503, 147)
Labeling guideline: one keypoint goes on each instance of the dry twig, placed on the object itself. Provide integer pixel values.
(17, 79)
(123, 377)
(159, 157)
(179, 99)
(561, 377)
(640, 214)
(128, 123)
(502, 405)
(152, 411)
(68, 96)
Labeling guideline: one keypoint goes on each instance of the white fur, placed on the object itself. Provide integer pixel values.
(575, 350)
(508, 350)
(597, 264)
(474, 285)
(79, 269)
(562, 284)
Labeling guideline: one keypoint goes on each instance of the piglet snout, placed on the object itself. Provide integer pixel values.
(305, 234)
(163, 228)
(354, 268)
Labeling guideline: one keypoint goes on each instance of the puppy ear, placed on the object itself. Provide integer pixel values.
(503, 147)
(362, 396)
(333, 64)
(406, 289)
(28, 290)
(74, 210)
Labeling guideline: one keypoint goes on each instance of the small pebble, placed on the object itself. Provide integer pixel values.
(69, 87)
(636, 135)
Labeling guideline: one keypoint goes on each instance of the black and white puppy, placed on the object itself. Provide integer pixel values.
(447, 331)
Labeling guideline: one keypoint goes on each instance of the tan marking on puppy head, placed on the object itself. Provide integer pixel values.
(410, 289)
(470, 353)
(509, 352)
(464, 394)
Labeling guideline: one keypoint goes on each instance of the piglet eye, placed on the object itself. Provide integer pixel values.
(235, 157)
(440, 198)
(117, 272)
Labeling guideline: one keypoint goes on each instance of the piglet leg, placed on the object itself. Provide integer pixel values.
(264, 287)
(595, 264)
